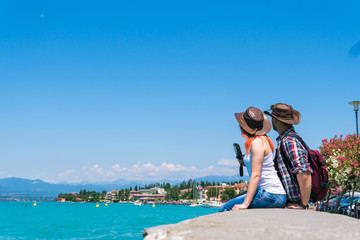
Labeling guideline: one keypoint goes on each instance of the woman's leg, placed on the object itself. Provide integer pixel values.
(261, 199)
(230, 204)
(281, 200)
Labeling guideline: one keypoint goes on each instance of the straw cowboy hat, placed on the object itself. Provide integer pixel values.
(284, 113)
(253, 121)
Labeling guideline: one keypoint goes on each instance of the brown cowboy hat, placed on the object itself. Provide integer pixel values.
(284, 113)
(253, 121)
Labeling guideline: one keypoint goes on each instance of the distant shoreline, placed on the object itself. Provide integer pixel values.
(156, 203)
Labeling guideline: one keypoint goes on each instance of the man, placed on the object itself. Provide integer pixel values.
(296, 178)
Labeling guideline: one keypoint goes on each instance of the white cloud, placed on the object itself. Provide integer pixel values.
(146, 171)
(66, 173)
(228, 162)
(117, 168)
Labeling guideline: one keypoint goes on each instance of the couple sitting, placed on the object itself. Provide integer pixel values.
(271, 185)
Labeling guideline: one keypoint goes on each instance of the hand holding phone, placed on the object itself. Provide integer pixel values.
(240, 158)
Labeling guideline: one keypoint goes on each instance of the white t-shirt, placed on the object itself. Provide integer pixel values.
(269, 179)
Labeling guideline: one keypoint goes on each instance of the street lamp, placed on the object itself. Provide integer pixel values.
(356, 109)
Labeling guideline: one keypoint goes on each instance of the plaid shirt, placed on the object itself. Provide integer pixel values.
(298, 157)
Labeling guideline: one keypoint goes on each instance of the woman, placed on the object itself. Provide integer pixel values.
(265, 189)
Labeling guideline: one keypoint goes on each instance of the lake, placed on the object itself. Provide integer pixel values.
(52, 220)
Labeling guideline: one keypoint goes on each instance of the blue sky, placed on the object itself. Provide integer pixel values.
(100, 90)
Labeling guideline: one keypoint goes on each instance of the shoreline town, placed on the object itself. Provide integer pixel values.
(207, 196)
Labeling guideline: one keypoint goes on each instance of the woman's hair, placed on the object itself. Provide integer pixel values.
(250, 138)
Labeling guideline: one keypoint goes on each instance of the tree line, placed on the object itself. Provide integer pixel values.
(83, 196)
(172, 192)
(184, 184)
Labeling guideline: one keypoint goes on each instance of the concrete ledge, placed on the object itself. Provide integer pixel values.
(261, 224)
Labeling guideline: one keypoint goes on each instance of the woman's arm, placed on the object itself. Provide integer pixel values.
(257, 157)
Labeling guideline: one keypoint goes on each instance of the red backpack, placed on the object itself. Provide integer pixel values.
(319, 177)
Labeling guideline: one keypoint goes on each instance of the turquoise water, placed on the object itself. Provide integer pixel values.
(86, 221)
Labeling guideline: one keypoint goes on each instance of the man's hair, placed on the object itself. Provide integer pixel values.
(285, 124)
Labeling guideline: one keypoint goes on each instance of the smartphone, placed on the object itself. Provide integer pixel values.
(240, 158)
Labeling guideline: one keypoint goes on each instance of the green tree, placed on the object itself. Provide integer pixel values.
(168, 194)
(122, 195)
(103, 193)
(167, 186)
(186, 195)
(117, 197)
(173, 193)
(183, 185)
(83, 196)
(212, 192)
(126, 194)
(228, 194)
(189, 183)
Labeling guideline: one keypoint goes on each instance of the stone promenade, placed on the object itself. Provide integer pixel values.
(261, 224)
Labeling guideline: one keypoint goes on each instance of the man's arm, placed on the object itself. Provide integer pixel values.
(304, 181)
(301, 168)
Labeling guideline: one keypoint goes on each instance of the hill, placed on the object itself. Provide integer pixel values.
(20, 187)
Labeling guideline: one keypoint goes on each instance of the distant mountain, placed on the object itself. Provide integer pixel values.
(20, 187)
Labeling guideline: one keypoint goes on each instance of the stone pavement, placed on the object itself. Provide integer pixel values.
(262, 224)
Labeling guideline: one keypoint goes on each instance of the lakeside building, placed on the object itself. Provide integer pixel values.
(157, 193)
(238, 187)
(183, 191)
(143, 195)
(112, 195)
(132, 193)
(155, 190)
(148, 195)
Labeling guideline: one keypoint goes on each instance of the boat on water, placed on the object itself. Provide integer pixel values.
(196, 204)
(212, 204)
(138, 203)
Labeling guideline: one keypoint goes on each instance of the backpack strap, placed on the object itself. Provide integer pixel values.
(287, 164)
(301, 140)
(286, 161)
